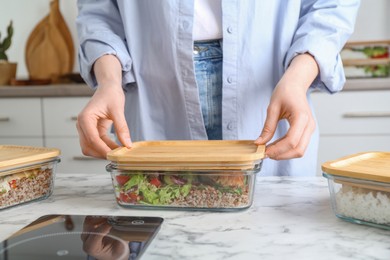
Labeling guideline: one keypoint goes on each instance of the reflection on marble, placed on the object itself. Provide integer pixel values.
(290, 218)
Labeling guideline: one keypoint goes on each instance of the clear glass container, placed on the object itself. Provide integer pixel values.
(27, 182)
(360, 201)
(367, 59)
(220, 190)
(26, 173)
(186, 174)
(359, 186)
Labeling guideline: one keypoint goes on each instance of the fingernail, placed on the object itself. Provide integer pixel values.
(258, 140)
(129, 144)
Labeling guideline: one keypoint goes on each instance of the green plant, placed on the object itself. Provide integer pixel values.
(6, 43)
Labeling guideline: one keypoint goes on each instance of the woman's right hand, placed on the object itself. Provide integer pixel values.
(105, 108)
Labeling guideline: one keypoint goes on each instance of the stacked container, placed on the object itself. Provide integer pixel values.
(26, 174)
(209, 175)
(367, 59)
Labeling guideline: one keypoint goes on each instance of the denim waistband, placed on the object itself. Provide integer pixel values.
(207, 49)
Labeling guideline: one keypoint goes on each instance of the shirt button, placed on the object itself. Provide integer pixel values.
(229, 79)
(230, 126)
(186, 25)
(230, 29)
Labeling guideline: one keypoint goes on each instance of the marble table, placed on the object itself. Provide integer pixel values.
(291, 218)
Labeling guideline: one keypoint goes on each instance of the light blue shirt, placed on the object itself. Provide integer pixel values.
(153, 41)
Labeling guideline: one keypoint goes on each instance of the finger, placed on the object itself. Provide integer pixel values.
(103, 133)
(281, 151)
(86, 150)
(89, 224)
(271, 122)
(121, 129)
(90, 150)
(93, 242)
(110, 143)
(93, 235)
(292, 137)
(90, 141)
(299, 151)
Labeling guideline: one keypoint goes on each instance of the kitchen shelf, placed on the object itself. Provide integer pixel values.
(55, 90)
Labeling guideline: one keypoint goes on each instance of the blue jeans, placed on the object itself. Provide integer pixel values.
(208, 72)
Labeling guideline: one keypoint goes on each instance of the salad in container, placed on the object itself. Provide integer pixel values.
(26, 174)
(201, 175)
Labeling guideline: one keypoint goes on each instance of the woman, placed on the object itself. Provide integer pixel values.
(212, 69)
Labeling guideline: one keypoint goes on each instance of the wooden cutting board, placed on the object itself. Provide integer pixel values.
(49, 48)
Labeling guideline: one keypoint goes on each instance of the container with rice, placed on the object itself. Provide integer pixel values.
(359, 188)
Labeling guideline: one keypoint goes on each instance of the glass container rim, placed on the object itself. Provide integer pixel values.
(21, 166)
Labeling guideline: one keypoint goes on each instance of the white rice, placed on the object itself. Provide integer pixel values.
(364, 204)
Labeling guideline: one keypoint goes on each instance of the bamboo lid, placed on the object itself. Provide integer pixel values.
(372, 166)
(193, 154)
(16, 156)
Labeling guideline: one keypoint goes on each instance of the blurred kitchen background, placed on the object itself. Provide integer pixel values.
(373, 23)
(25, 15)
(355, 120)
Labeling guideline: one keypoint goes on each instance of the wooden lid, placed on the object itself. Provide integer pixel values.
(373, 166)
(193, 154)
(15, 156)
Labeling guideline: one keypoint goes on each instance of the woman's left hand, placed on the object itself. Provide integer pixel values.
(289, 102)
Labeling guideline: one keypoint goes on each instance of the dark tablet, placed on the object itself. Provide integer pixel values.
(82, 237)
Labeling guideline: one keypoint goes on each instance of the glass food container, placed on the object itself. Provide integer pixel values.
(200, 175)
(359, 188)
(26, 174)
(367, 59)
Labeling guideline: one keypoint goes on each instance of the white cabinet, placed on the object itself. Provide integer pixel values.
(20, 117)
(60, 117)
(72, 160)
(21, 121)
(50, 122)
(351, 122)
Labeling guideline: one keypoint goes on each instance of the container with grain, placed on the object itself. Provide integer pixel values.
(26, 174)
(200, 175)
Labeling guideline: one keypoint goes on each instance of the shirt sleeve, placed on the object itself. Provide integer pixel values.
(101, 32)
(323, 28)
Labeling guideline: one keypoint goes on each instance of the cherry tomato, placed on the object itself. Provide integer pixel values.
(133, 197)
(381, 56)
(123, 197)
(156, 182)
(130, 197)
(12, 184)
(122, 179)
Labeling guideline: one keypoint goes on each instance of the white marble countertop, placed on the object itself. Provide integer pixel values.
(290, 218)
